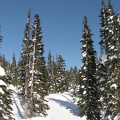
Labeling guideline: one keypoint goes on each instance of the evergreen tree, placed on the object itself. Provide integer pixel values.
(5, 92)
(112, 63)
(5, 97)
(25, 55)
(14, 71)
(21, 77)
(101, 66)
(23, 66)
(103, 31)
(4, 63)
(60, 75)
(88, 89)
(50, 69)
(73, 81)
(38, 84)
(110, 37)
(101, 77)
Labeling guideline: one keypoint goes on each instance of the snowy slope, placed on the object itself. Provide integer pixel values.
(61, 107)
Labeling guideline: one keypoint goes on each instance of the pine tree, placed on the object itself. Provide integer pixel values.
(101, 76)
(88, 89)
(4, 63)
(60, 75)
(5, 92)
(38, 84)
(103, 31)
(25, 55)
(21, 77)
(5, 98)
(110, 29)
(73, 81)
(14, 71)
(112, 63)
(50, 69)
(23, 66)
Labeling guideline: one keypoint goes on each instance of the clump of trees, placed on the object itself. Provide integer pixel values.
(99, 91)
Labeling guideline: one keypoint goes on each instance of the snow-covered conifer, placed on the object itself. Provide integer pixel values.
(88, 92)
(14, 71)
(60, 85)
(50, 69)
(38, 81)
(5, 97)
(110, 39)
(112, 63)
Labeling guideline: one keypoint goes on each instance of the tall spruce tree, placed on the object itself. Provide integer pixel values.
(23, 66)
(103, 31)
(25, 55)
(60, 75)
(21, 77)
(14, 71)
(5, 92)
(102, 75)
(113, 60)
(50, 69)
(38, 83)
(110, 29)
(88, 89)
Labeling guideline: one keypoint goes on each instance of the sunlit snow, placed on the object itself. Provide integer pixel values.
(62, 107)
(2, 72)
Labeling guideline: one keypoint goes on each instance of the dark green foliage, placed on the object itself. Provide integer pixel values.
(88, 92)
(14, 71)
(110, 39)
(60, 85)
(50, 69)
(5, 99)
(21, 77)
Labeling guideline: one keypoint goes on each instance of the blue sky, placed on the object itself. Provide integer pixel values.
(61, 21)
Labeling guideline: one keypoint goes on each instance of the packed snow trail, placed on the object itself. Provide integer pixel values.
(61, 106)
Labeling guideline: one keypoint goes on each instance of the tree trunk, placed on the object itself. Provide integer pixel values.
(32, 81)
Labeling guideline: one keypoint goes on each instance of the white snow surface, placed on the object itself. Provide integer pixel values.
(84, 54)
(61, 106)
(2, 83)
(2, 72)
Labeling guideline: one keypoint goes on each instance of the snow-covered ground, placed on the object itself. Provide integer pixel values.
(61, 106)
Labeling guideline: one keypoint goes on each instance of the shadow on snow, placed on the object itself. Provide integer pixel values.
(20, 114)
(70, 106)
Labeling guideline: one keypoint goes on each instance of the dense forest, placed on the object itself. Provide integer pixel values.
(95, 84)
